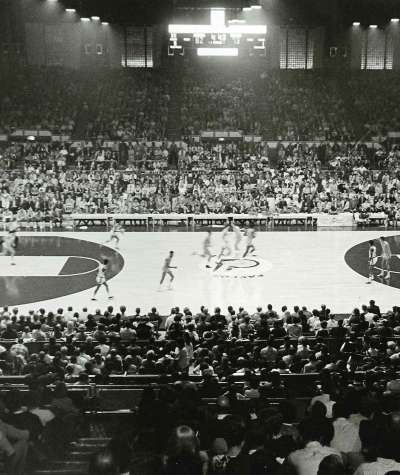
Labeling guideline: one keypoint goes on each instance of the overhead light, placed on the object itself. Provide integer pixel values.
(356, 23)
(373, 26)
(85, 19)
(95, 18)
(105, 23)
(70, 10)
(31, 138)
(187, 39)
(395, 20)
(256, 7)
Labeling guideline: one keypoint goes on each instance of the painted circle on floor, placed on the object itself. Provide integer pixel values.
(357, 258)
(231, 267)
(48, 267)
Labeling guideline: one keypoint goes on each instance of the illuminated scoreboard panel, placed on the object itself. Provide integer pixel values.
(219, 37)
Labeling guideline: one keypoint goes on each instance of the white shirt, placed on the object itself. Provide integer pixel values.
(356, 419)
(346, 437)
(306, 461)
(45, 415)
(380, 467)
(326, 400)
(315, 323)
(332, 324)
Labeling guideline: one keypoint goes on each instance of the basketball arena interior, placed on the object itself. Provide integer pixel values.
(199, 237)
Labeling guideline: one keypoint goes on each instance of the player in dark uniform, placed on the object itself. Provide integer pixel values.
(166, 270)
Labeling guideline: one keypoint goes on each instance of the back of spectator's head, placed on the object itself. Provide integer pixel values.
(234, 430)
(183, 442)
(331, 465)
(318, 410)
(340, 409)
(312, 429)
(389, 440)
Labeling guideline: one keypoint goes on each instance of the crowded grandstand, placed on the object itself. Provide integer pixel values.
(199, 263)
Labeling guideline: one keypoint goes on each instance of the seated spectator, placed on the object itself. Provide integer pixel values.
(316, 436)
(183, 454)
(331, 465)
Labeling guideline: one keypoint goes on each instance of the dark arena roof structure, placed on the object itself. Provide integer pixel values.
(199, 237)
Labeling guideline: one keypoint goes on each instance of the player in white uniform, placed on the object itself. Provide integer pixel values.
(386, 258)
(250, 236)
(101, 279)
(10, 244)
(166, 269)
(372, 259)
(238, 236)
(206, 248)
(115, 233)
(226, 249)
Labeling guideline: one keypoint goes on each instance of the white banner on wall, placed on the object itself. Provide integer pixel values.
(333, 220)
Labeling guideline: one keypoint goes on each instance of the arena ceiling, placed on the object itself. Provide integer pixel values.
(306, 12)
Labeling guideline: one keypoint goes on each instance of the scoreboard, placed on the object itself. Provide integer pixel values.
(220, 37)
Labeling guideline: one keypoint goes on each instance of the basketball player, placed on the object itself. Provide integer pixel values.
(10, 244)
(386, 257)
(206, 248)
(238, 236)
(371, 260)
(115, 233)
(250, 236)
(166, 270)
(226, 249)
(101, 279)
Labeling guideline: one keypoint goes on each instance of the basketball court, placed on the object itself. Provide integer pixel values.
(289, 268)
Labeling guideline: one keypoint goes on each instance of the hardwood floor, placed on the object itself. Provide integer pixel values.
(289, 268)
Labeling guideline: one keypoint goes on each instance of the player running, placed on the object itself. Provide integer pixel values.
(372, 259)
(386, 257)
(115, 233)
(250, 236)
(101, 279)
(226, 249)
(238, 236)
(10, 244)
(206, 249)
(166, 270)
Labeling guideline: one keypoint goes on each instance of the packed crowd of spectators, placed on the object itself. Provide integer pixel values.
(130, 106)
(296, 105)
(241, 359)
(346, 431)
(218, 344)
(115, 105)
(40, 98)
(48, 180)
(134, 104)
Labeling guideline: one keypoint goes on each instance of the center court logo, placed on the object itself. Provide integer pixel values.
(240, 268)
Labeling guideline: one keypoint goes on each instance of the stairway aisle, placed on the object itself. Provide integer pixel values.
(76, 461)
